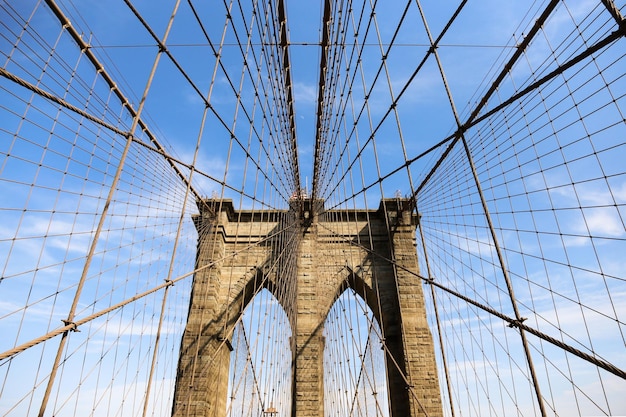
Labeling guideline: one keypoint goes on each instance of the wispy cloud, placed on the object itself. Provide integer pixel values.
(305, 94)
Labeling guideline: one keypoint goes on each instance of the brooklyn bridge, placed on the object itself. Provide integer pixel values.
(312, 208)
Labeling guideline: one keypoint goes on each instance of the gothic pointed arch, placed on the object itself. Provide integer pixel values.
(355, 370)
(257, 365)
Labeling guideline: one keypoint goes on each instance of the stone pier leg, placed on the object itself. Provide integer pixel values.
(417, 342)
(309, 374)
(308, 366)
(202, 378)
(202, 383)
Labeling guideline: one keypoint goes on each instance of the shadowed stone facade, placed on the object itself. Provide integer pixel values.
(328, 255)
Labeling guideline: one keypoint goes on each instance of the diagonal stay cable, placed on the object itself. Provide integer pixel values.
(168, 53)
(280, 91)
(110, 82)
(74, 325)
(278, 122)
(487, 214)
(156, 149)
(594, 359)
(317, 157)
(452, 138)
(284, 44)
(400, 94)
(456, 136)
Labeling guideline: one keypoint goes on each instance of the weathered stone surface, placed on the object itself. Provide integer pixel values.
(338, 250)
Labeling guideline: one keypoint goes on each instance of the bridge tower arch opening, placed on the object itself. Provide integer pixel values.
(260, 367)
(354, 359)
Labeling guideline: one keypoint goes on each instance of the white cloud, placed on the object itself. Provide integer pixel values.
(598, 200)
(305, 94)
(604, 222)
(593, 195)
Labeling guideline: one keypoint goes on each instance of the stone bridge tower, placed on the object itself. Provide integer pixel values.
(233, 268)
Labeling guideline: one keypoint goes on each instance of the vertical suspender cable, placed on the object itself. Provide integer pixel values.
(492, 231)
(70, 317)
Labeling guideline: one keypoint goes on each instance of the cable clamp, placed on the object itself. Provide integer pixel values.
(517, 323)
(73, 328)
(226, 341)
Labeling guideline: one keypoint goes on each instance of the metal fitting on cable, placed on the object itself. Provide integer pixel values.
(517, 323)
(73, 328)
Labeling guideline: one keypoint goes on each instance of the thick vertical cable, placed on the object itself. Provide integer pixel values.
(112, 189)
(320, 138)
(492, 230)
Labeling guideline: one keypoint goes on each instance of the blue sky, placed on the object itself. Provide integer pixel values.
(177, 109)
(550, 167)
